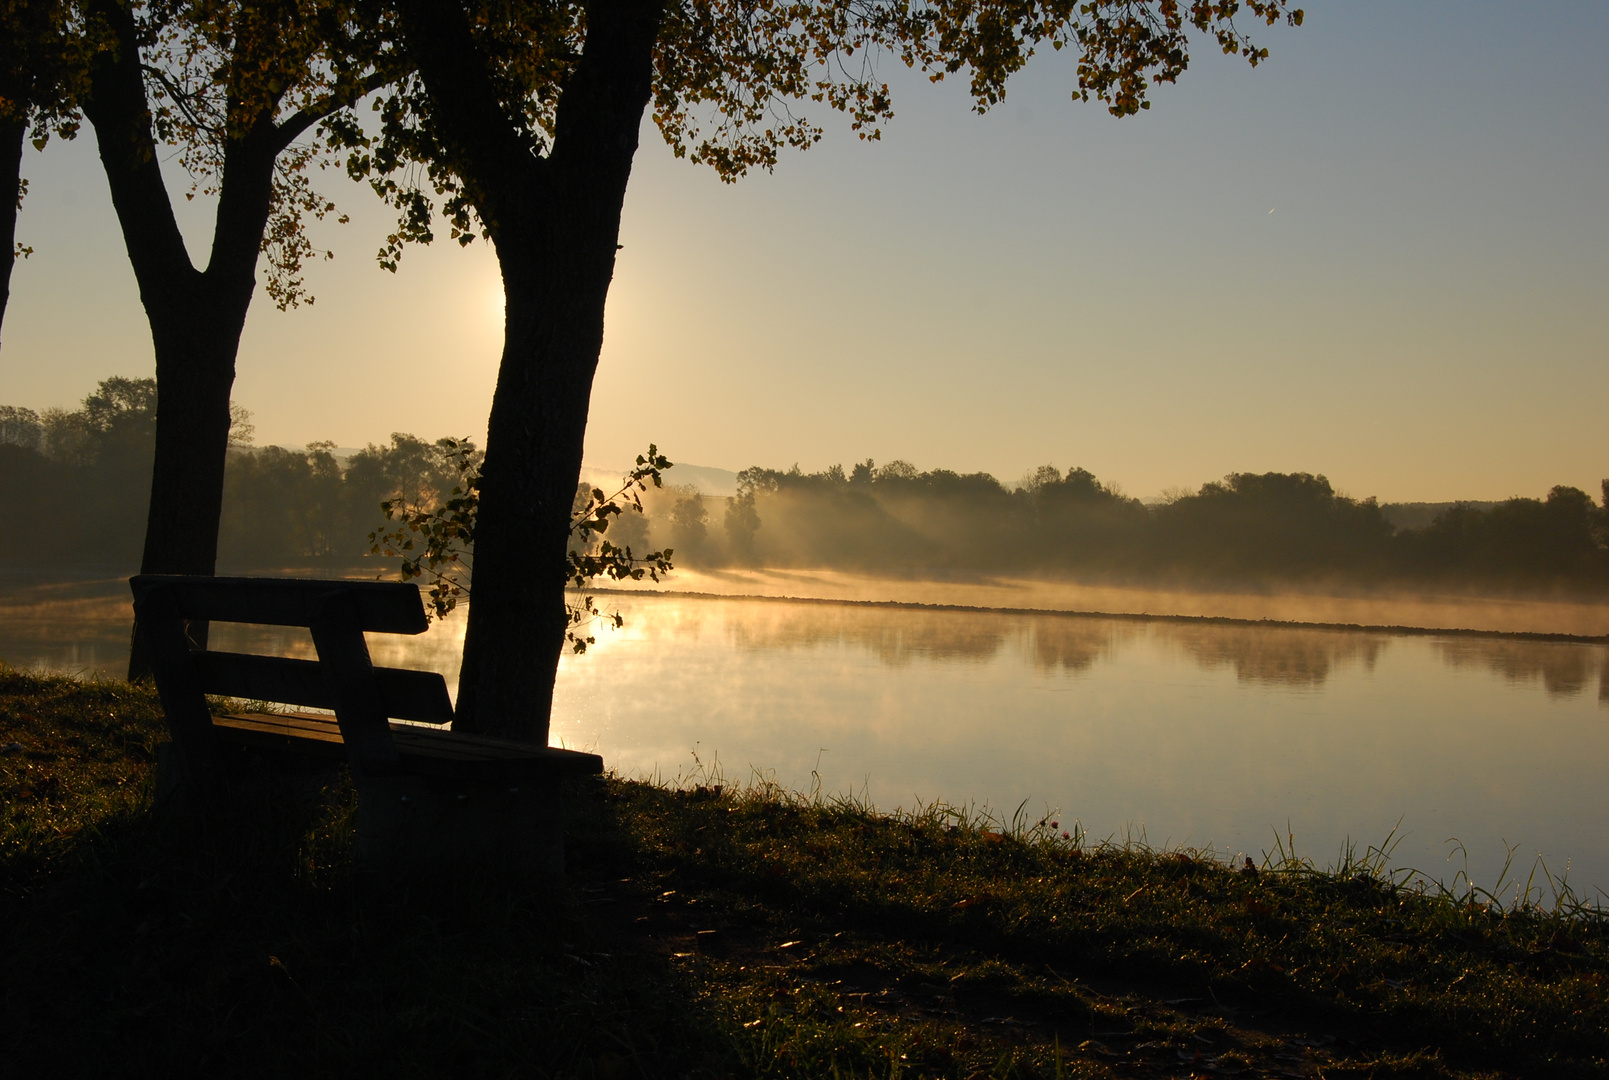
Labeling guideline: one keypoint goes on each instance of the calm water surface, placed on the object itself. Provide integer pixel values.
(1208, 735)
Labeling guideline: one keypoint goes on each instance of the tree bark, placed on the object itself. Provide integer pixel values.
(196, 316)
(555, 223)
(13, 136)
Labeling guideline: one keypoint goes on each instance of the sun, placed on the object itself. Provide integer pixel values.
(492, 305)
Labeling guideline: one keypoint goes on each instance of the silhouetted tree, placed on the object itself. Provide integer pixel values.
(1557, 541)
(21, 427)
(284, 506)
(77, 493)
(897, 470)
(1249, 524)
(77, 480)
(742, 521)
(1076, 523)
(689, 524)
(235, 87)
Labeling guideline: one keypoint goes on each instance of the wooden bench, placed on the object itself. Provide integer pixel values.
(426, 797)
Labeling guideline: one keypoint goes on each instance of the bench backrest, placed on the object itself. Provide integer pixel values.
(387, 607)
(363, 696)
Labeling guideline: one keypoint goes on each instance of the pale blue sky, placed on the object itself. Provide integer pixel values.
(1423, 315)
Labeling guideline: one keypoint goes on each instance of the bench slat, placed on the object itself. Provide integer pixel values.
(422, 750)
(286, 728)
(388, 607)
(408, 695)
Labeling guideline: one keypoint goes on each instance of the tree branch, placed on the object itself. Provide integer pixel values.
(608, 90)
(183, 100)
(118, 108)
(486, 147)
(292, 127)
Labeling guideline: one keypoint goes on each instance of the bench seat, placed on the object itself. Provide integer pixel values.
(423, 751)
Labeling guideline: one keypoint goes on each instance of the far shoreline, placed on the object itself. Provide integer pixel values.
(1460, 615)
(1126, 616)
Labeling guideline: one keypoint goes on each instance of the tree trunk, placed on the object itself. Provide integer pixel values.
(555, 222)
(534, 441)
(196, 316)
(13, 135)
(196, 339)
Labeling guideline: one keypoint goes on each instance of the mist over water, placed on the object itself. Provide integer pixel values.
(1198, 733)
(1586, 617)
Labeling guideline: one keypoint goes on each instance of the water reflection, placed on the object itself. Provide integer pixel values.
(899, 636)
(896, 636)
(83, 626)
(1071, 645)
(76, 625)
(1564, 670)
(1274, 656)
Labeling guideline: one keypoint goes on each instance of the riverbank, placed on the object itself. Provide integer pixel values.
(718, 932)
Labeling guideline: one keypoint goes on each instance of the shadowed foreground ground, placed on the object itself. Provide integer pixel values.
(707, 932)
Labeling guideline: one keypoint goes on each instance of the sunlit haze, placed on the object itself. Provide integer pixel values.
(1382, 256)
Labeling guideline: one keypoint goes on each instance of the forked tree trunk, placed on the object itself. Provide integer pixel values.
(13, 135)
(196, 339)
(196, 316)
(555, 222)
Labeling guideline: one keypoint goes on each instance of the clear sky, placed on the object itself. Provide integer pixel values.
(1384, 256)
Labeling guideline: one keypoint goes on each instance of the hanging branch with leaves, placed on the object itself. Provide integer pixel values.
(437, 542)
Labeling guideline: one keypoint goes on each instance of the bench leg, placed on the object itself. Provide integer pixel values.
(410, 824)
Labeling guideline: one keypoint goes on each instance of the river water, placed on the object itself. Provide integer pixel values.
(1218, 735)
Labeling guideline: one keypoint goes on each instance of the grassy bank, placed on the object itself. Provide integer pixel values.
(712, 932)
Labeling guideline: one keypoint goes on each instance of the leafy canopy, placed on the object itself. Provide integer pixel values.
(227, 78)
(45, 53)
(733, 79)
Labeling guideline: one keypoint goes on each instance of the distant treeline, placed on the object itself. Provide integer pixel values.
(1247, 528)
(77, 483)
